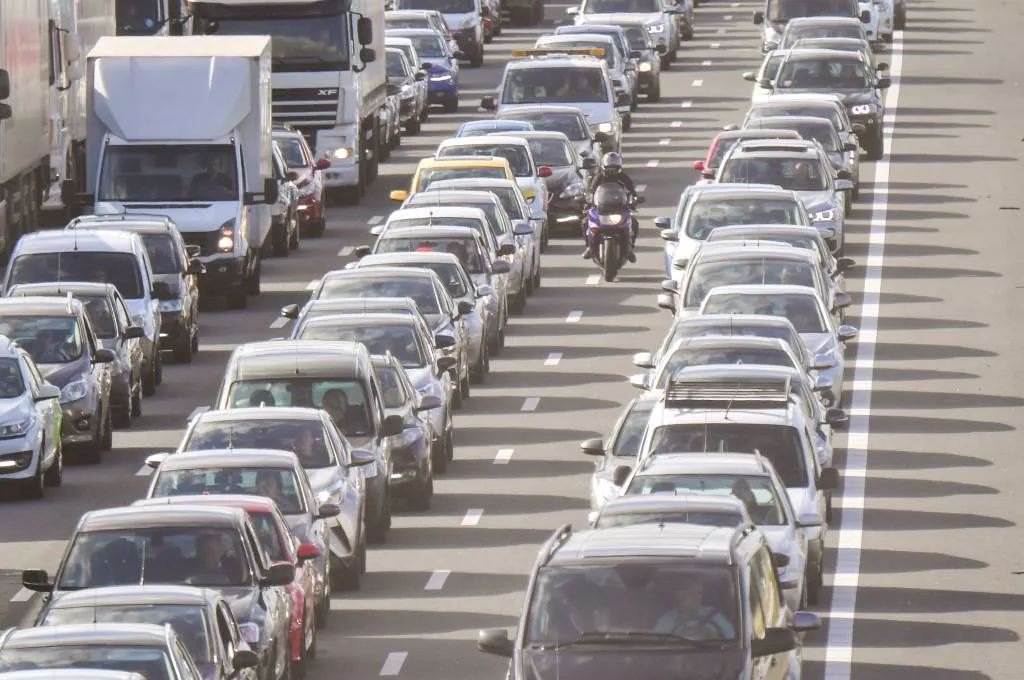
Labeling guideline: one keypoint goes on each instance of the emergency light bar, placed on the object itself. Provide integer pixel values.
(578, 51)
(730, 390)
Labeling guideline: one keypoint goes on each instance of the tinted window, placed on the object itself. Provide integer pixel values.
(344, 399)
(429, 45)
(279, 484)
(624, 6)
(785, 10)
(518, 158)
(304, 437)
(396, 65)
(551, 152)
(443, 6)
(291, 147)
(795, 33)
(120, 269)
(685, 330)
(638, 37)
(827, 74)
(172, 173)
(48, 339)
(163, 253)
(430, 175)
(420, 290)
(152, 663)
(398, 340)
(567, 123)
(832, 113)
(801, 310)
(101, 316)
(404, 22)
(709, 275)
(394, 395)
(794, 174)
(561, 85)
(269, 536)
(465, 249)
(12, 383)
(757, 493)
(687, 357)
(713, 212)
(714, 519)
(631, 434)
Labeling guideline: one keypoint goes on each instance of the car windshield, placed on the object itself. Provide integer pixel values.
(826, 111)
(443, 6)
(152, 663)
(449, 273)
(705, 518)
(429, 46)
(120, 269)
(464, 249)
(279, 484)
(610, 56)
(392, 392)
(491, 127)
(427, 221)
(291, 146)
(622, 6)
(101, 316)
(517, 156)
(554, 153)
(820, 131)
(509, 201)
(396, 65)
(638, 37)
(399, 340)
(756, 492)
(299, 41)
(163, 255)
(194, 556)
(582, 602)
(801, 310)
(722, 356)
(737, 272)
(421, 290)
(409, 53)
(168, 173)
(706, 215)
(562, 84)
(631, 433)
(428, 176)
(188, 621)
(269, 536)
(344, 399)
(796, 33)
(569, 124)
(48, 339)
(404, 22)
(827, 74)
(794, 174)
(12, 383)
(780, 444)
(785, 10)
(304, 437)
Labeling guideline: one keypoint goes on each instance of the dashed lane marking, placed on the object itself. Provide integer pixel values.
(530, 404)
(346, 251)
(437, 579)
(652, 163)
(720, 31)
(553, 359)
(574, 316)
(593, 280)
(23, 595)
(472, 517)
(279, 322)
(503, 456)
(687, 104)
(664, 142)
(698, 83)
(393, 663)
(715, 46)
(728, 17)
(375, 220)
(706, 62)
(676, 124)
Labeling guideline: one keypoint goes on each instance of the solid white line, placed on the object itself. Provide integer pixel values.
(313, 284)
(437, 579)
(574, 317)
(593, 280)
(652, 163)
(665, 142)
(472, 517)
(23, 595)
(393, 663)
(839, 650)
(346, 251)
(553, 359)
(698, 83)
(641, 188)
(376, 219)
(530, 404)
(503, 456)
(706, 62)
(279, 322)
(676, 124)
(688, 104)
(144, 471)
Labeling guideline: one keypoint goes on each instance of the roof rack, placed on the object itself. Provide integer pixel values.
(556, 541)
(562, 51)
(726, 391)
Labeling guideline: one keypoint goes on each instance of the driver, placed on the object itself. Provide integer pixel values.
(50, 348)
(346, 418)
(212, 181)
(690, 617)
(305, 446)
(209, 552)
(611, 171)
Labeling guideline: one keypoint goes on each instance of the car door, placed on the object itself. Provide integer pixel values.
(48, 411)
(132, 346)
(228, 639)
(100, 373)
(189, 284)
(352, 492)
(152, 305)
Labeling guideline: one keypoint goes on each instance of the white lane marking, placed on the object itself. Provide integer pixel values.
(593, 280)
(728, 17)
(687, 104)
(375, 220)
(23, 595)
(437, 579)
(144, 471)
(472, 517)
(574, 316)
(715, 46)
(393, 663)
(706, 62)
(503, 456)
(698, 83)
(346, 251)
(279, 322)
(720, 31)
(641, 188)
(530, 404)
(553, 359)
(839, 650)
(676, 124)
(735, 4)
(313, 284)
(664, 142)
(652, 163)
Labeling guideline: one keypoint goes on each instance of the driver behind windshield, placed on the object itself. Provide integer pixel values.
(208, 569)
(688, 615)
(213, 180)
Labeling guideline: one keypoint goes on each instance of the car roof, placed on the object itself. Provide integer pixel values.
(463, 161)
(762, 289)
(754, 133)
(701, 542)
(664, 502)
(326, 304)
(296, 358)
(132, 634)
(560, 38)
(744, 252)
(578, 29)
(251, 504)
(822, 20)
(390, 272)
(441, 211)
(135, 595)
(413, 258)
(490, 182)
(809, 53)
(555, 59)
(260, 413)
(795, 97)
(542, 108)
(766, 229)
(430, 196)
(135, 221)
(727, 341)
(230, 457)
(61, 288)
(368, 319)
(483, 140)
(409, 12)
(745, 193)
(710, 463)
(396, 40)
(440, 231)
(490, 123)
(134, 517)
(731, 320)
(9, 349)
(49, 305)
(757, 123)
(84, 240)
(409, 32)
(544, 134)
(70, 674)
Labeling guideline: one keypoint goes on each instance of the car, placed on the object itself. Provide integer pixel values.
(313, 308)
(800, 166)
(111, 323)
(669, 507)
(439, 62)
(408, 48)
(534, 76)
(465, 21)
(103, 256)
(723, 143)
(155, 652)
(648, 53)
(498, 219)
(58, 336)
(284, 231)
(402, 78)
(489, 275)
(175, 264)
(627, 57)
(413, 450)
(822, 27)
(31, 454)
(299, 158)
(200, 617)
(480, 323)
(603, 47)
(419, 18)
(777, 13)
(727, 575)
(430, 170)
(569, 120)
(817, 104)
(474, 128)
(171, 545)
(862, 47)
(660, 19)
(871, 15)
(335, 376)
(764, 76)
(566, 183)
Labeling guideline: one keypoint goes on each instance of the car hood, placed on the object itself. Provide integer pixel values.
(560, 178)
(818, 343)
(815, 200)
(596, 112)
(801, 500)
(243, 601)
(615, 663)
(300, 526)
(173, 282)
(60, 375)
(780, 538)
(14, 410)
(439, 65)
(419, 377)
(321, 479)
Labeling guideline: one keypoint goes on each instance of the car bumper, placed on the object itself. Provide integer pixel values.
(172, 329)
(19, 458)
(80, 422)
(566, 209)
(647, 80)
(222, 272)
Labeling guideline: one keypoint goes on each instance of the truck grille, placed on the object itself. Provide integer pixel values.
(309, 107)
(206, 240)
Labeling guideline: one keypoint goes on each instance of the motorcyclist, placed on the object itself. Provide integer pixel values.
(610, 171)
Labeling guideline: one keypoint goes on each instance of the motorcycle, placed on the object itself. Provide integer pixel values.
(611, 225)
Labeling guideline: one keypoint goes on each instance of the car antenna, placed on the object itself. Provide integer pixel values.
(706, 432)
(142, 573)
(75, 237)
(231, 436)
(728, 407)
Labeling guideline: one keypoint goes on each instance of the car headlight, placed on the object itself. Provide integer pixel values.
(605, 128)
(339, 154)
(443, 78)
(408, 92)
(656, 28)
(15, 430)
(170, 305)
(862, 109)
(226, 242)
(572, 191)
(467, 23)
(73, 391)
(645, 67)
(826, 215)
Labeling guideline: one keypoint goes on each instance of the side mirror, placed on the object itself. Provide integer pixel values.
(244, 658)
(849, 146)
(487, 103)
(643, 360)
(859, 129)
(154, 460)
(161, 291)
(326, 511)
(362, 458)
(829, 479)
(483, 291)
(844, 173)
(623, 99)
(377, 230)
(884, 83)
(364, 31)
(5, 84)
(641, 200)
(103, 356)
(195, 268)
(507, 250)
(775, 641)
(47, 392)
(193, 251)
(419, 76)
(822, 362)
(443, 341)
(290, 311)
(36, 580)
(698, 166)
(842, 301)
(661, 49)
(641, 381)
(308, 551)
(810, 519)
(666, 301)
(749, 75)
(133, 333)
(446, 364)
(804, 622)
(398, 195)
(758, 18)
(465, 307)
(495, 640)
(428, 402)
(663, 222)
(544, 171)
(270, 191)
(844, 185)
(621, 474)
(280, 574)
(843, 264)
(322, 164)
(361, 251)
(393, 424)
(670, 286)
(822, 384)
(521, 228)
(836, 417)
(592, 447)
(764, 84)
(426, 66)
(847, 333)
(500, 267)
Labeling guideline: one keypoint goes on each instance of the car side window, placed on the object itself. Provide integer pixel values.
(185, 662)
(124, 319)
(806, 438)
(770, 591)
(256, 550)
(378, 413)
(227, 626)
(30, 368)
(86, 331)
(337, 443)
(32, 379)
(755, 599)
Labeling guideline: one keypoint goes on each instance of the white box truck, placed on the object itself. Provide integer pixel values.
(25, 70)
(181, 126)
(330, 78)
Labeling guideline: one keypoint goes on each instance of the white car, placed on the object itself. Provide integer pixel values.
(765, 75)
(886, 12)
(873, 24)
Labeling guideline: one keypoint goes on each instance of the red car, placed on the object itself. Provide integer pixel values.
(310, 181)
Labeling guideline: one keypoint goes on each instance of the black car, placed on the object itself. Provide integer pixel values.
(567, 182)
(402, 78)
(58, 335)
(207, 547)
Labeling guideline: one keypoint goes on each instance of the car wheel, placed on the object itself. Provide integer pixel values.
(478, 59)
(479, 370)
(158, 370)
(183, 352)
(379, 532)
(33, 487)
(293, 240)
(55, 475)
(323, 609)
(136, 400)
(279, 236)
(149, 377)
(439, 455)
(107, 438)
(125, 413)
(413, 126)
(346, 577)
(451, 105)
(654, 94)
(464, 387)
(420, 498)
(536, 279)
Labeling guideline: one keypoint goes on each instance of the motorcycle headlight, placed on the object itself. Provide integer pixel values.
(826, 215)
(15, 430)
(862, 109)
(170, 305)
(339, 154)
(226, 242)
(73, 391)
(605, 128)
(611, 220)
(645, 67)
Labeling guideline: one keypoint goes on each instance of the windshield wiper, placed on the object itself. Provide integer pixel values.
(612, 638)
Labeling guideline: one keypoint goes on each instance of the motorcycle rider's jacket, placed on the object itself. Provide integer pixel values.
(602, 177)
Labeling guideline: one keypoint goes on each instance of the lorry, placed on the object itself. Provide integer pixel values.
(330, 76)
(25, 72)
(181, 127)
(151, 17)
(75, 26)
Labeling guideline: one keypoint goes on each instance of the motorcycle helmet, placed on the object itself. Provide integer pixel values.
(611, 163)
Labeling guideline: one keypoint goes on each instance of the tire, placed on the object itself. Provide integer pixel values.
(666, 62)
(654, 94)
(34, 487)
(478, 372)
(478, 59)
(280, 239)
(464, 387)
(136, 401)
(293, 240)
(379, 532)
(107, 438)
(318, 228)
(451, 105)
(55, 475)
(158, 372)
(419, 499)
(537, 279)
(183, 351)
(876, 149)
(255, 280)
(610, 266)
(439, 455)
(125, 414)
(346, 578)
(519, 303)
(149, 378)
(627, 123)
(413, 126)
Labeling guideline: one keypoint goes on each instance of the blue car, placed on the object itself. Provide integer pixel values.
(440, 63)
(477, 128)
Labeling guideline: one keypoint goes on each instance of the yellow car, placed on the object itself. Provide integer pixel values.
(464, 167)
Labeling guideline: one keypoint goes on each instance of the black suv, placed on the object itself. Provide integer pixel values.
(656, 602)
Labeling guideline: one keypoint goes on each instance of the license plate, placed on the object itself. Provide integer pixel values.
(370, 470)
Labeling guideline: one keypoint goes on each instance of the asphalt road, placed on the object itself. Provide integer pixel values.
(928, 558)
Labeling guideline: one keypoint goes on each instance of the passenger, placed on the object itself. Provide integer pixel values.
(262, 398)
(349, 420)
